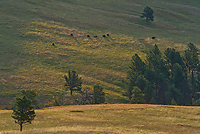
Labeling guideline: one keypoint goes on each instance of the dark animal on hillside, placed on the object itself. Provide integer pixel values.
(71, 34)
(88, 35)
(104, 35)
(107, 34)
(95, 36)
(153, 37)
(53, 44)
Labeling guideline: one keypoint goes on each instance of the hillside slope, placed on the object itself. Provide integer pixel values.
(28, 29)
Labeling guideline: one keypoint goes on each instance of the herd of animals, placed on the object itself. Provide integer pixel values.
(95, 37)
(87, 36)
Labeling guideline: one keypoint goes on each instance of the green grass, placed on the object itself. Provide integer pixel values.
(29, 61)
(110, 118)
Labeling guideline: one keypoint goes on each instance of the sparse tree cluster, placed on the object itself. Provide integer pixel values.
(74, 83)
(167, 78)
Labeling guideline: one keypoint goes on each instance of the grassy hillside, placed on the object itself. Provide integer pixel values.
(28, 28)
(108, 119)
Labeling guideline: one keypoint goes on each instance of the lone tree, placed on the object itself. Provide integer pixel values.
(99, 95)
(73, 82)
(23, 112)
(148, 14)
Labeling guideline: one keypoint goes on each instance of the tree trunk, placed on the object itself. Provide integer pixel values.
(71, 92)
(189, 70)
(192, 75)
(21, 127)
(146, 19)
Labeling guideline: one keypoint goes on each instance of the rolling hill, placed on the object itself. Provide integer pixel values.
(30, 61)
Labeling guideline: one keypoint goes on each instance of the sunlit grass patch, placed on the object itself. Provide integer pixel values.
(108, 118)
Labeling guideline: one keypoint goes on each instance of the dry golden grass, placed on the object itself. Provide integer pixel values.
(109, 119)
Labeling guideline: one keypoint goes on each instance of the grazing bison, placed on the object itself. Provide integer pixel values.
(53, 44)
(104, 35)
(71, 34)
(108, 35)
(88, 35)
(153, 37)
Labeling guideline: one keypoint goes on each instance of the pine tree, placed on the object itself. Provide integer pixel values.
(99, 95)
(73, 82)
(30, 94)
(172, 57)
(173, 102)
(157, 74)
(134, 75)
(137, 96)
(24, 112)
(192, 61)
(191, 58)
(148, 14)
(178, 75)
(137, 65)
(153, 58)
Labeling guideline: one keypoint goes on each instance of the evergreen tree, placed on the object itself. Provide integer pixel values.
(148, 14)
(171, 93)
(137, 96)
(131, 78)
(161, 87)
(191, 58)
(172, 57)
(150, 89)
(99, 95)
(197, 89)
(141, 82)
(148, 92)
(162, 80)
(73, 82)
(153, 58)
(153, 101)
(137, 65)
(30, 94)
(23, 112)
(182, 92)
(192, 61)
(157, 74)
(178, 75)
(173, 102)
(186, 93)
(137, 68)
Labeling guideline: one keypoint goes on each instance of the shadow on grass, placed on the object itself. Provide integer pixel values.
(76, 111)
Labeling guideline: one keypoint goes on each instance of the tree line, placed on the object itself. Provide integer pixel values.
(165, 78)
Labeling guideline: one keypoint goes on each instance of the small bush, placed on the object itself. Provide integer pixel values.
(173, 102)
